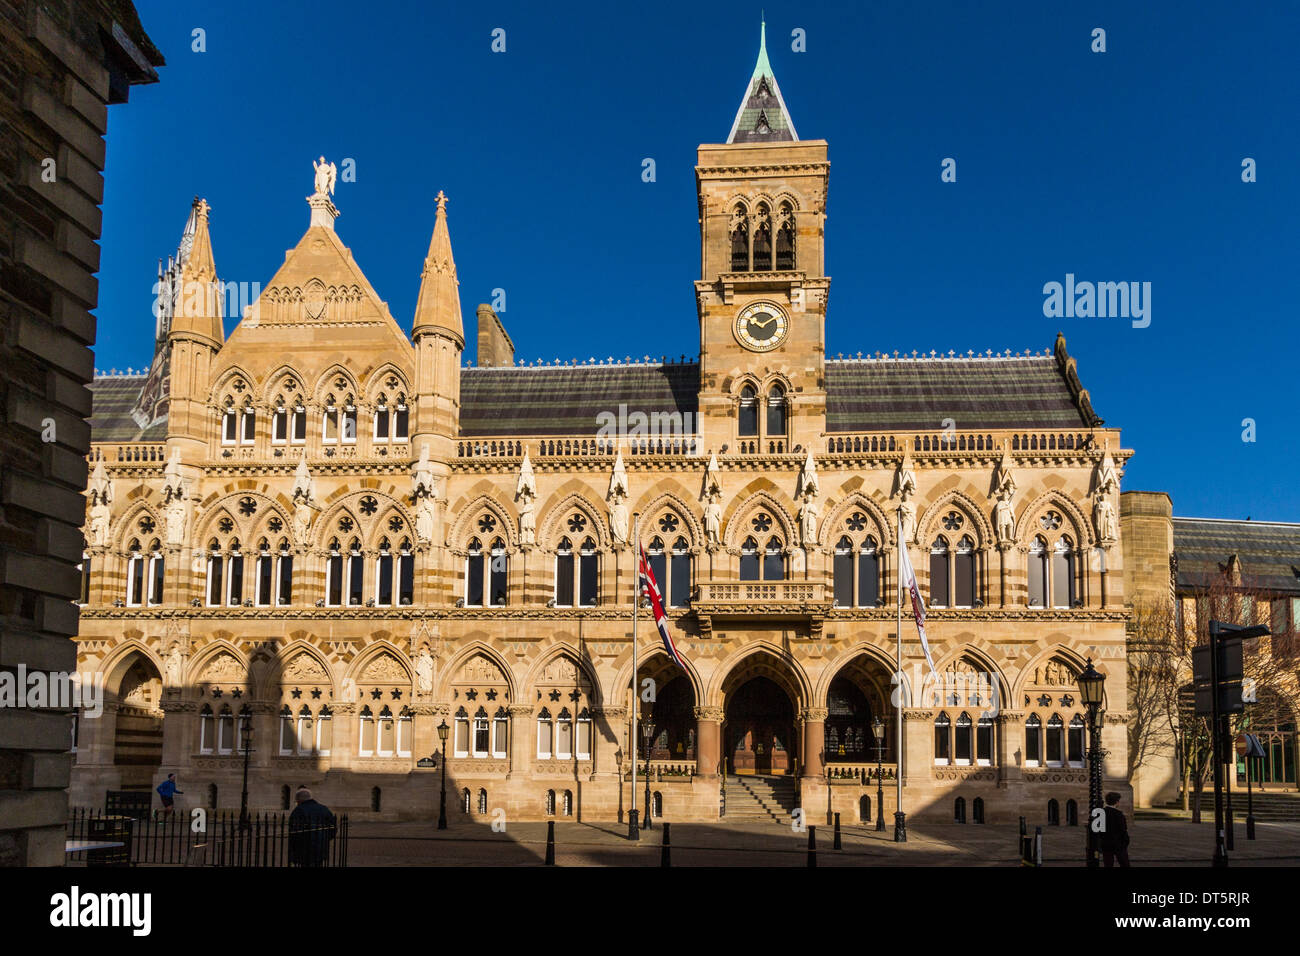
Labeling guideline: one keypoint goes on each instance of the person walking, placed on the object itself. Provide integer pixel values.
(167, 793)
(1114, 839)
(311, 828)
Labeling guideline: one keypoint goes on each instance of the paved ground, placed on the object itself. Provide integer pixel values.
(1155, 843)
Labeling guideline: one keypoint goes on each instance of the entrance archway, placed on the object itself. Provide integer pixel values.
(138, 734)
(760, 733)
(857, 694)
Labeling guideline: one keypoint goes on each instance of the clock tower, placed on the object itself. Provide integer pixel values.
(762, 290)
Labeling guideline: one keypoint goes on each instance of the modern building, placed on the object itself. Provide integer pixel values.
(331, 527)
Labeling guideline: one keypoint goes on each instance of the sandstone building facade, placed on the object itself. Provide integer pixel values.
(346, 535)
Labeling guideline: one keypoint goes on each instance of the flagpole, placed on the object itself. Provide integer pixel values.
(633, 832)
(898, 756)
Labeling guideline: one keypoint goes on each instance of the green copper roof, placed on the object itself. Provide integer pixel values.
(762, 117)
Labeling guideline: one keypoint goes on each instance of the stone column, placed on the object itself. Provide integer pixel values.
(521, 739)
(1010, 741)
(814, 741)
(708, 740)
(917, 749)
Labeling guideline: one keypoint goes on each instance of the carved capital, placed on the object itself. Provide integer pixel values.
(814, 713)
(709, 713)
(521, 710)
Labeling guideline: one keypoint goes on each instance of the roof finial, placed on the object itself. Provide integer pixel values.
(442, 201)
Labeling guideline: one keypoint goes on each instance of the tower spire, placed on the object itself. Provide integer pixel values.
(762, 117)
(198, 311)
(438, 306)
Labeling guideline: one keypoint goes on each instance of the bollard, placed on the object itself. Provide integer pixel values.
(838, 845)
(550, 843)
(812, 847)
(666, 853)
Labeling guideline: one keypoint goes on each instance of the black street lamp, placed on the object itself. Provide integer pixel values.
(878, 728)
(1092, 689)
(442, 800)
(648, 732)
(245, 743)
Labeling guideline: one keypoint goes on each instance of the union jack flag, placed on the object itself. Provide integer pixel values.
(650, 587)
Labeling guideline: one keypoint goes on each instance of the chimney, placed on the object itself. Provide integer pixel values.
(494, 345)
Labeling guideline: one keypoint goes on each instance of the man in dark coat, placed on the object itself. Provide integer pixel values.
(1114, 839)
(311, 828)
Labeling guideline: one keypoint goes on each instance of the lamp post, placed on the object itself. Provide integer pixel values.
(1092, 688)
(245, 742)
(442, 800)
(648, 732)
(878, 728)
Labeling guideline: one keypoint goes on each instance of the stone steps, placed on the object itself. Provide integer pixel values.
(759, 799)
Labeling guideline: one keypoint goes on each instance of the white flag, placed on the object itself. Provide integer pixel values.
(908, 578)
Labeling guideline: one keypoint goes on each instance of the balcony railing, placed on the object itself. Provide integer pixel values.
(762, 592)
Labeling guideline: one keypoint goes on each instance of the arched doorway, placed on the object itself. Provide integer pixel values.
(673, 715)
(760, 730)
(138, 734)
(857, 695)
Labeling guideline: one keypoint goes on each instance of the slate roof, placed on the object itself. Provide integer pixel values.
(567, 400)
(976, 393)
(1268, 552)
(762, 117)
(113, 398)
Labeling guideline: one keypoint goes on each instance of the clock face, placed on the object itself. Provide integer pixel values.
(762, 326)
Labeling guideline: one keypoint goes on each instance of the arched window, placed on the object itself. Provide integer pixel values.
(376, 799)
(330, 421)
(382, 420)
(749, 560)
(679, 578)
(465, 798)
(567, 805)
(843, 572)
(284, 583)
(287, 738)
(959, 810)
(85, 569)
(212, 796)
(461, 732)
(366, 730)
(500, 732)
(583, 751)
(942, 739)
(401, 419)
(225, 731)
(279, 423)
(785, 239)
(658, 560)
(545, 729)
(298, 424)
(157, 573)
(963, 571)
(285, 797)
(1038, 573)
(763, 238)
(864, 809)
(774, 560)
(1071, 813)
(657, 804)
(550, 803)
(1063, 573)
(984, 740)
(1033, 741)
(235, 575)
(405, 573)
(325, 731)
(868, 573)
(334, 575)
(1074, 753)
(474, 574)
(588, 573)
(1053, 813)
(405, 724)
(482, 734)
(248, 433)
(1055, 741)
(564, 735)
(977, 810)
(134, 575)
(963, 751)
(940, 596)
(386, 733)
(215, 567)
(306, 732)
(739, 239)
(229, 423)
(747, 426)
(498, 580)
(384, 575)
(207, 738)
(776, 412)
(264, 575)
(356, 573)
(564, 573)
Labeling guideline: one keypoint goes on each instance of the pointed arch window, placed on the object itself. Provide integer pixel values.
(564, 567)
(774, 560)
(404, 731)
(384, 575)
(134, 575)
(474, 574)
(963, 573)
(589, 573)
(1062, 571)
(498, 573)
(679, 574)
(229, 423)
(264, 576)
(785, 239)
(984, 740)
(206, 730)
(545, 728)
(1055, 741)
(776, 412)
(868, 573)
(461, 735)
(405, 573)
(942, 739)
(843, 572)
(482, 733)
(306, 730)
(583, 743)
(85, 569)
(564, 735)
(1074, 742)
(963, 751)
(349, 435)
(330, 422)
(248, 429)
(748, 413)
(386, 733)
(279, 424)
(225, 731)
(382, 420)
(356, 573)
(287, 738)
(749, 564)
(401, 419)
(325, 731)
(334, 575)
(1033, 741)
(940, 596)
(763, 239)
(298, 424)
(366, 737)
(739, 239)
(284, 579)
(215, 569)
(500, 732)
(658, 560)
(235, 575)
(1038, 573)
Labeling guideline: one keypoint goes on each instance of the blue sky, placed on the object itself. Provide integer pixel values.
(1115, 166)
